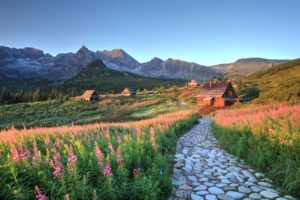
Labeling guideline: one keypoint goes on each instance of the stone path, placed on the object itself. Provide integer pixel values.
(203, 170)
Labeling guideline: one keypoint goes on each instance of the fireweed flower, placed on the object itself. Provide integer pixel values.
(107, 169)
(56, 164)
(99, 156)
(39, 194)
(136, 171)
(36, 153)
(152, 138)
(72, 160)
(119, 140)
(111, 148)
(119, 157)
(14, 153)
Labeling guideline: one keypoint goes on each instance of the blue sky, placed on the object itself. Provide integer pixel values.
(204, 31)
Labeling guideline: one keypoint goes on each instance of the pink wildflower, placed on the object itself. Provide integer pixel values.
(119, 140)
(111, 148)
(56, 165)
(14, 153)
(119, 157)
(99, 156)
(136, 171)
(72, 160)
(39, 194)
(107, 169)
(152, 138)
(36, 153)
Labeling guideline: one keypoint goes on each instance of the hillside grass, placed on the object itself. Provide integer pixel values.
(108, 109)
(267, 137)
(280, 83)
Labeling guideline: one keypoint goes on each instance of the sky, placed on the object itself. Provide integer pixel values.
(204, 31)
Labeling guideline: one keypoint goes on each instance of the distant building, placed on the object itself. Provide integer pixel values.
(217, 94)
(193, 83)
(89, 95)
(128, 92)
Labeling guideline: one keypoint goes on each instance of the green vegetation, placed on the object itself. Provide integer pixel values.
(271, 145)
(280, 83)
(109, 109)
(114, 163)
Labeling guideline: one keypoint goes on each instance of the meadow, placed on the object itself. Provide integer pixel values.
(267, 137)
(94, 161)
(109, 109)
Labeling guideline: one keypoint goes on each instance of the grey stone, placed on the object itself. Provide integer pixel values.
(210, 197)
(181, 194)
(200, 187)
(265, 184)
(215, 190)
(202, 193)
(256, 189)
(196, 197)
(268, 194)
(244, 190)
(255, 196)
(234, 195)
(192, 178)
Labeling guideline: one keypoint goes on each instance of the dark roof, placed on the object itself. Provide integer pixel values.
(88, 93)
(213, 89)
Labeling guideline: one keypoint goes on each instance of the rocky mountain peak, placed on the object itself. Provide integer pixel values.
(83, 50)
(116, 53)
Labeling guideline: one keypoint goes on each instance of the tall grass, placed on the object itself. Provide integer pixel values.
(100, 161)
(268, 137)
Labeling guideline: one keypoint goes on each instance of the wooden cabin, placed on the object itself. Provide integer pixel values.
(217, 94)
(128, 92)
(89, 95)
(193, 83)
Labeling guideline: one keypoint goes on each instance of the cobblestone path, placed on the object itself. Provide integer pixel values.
(203, 170)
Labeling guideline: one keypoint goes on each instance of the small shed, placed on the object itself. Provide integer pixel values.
(193, 83)
(217, 94)
(90, 95)
(129, 92)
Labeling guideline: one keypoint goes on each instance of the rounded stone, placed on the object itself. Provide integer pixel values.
(215, 190)
(255, 196)
(210, 197)
(268, 194)
(200, 187)
(244, 190)
(234, 195)
(196, 197)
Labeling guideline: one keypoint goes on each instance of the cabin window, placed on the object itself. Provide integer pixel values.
(230, 93)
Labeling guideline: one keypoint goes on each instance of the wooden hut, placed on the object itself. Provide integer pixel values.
(129, 92)
(193, 83)
(217, 94)
(89, 95)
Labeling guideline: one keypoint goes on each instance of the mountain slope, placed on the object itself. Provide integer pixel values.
(97, 75)
(247, 66)
(280, 83)
(173, 68)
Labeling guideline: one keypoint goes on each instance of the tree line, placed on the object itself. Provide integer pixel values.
(9, 97)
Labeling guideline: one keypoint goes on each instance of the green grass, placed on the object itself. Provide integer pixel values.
(19, 177)
(281, 162)
(56, 113)
(280, 83)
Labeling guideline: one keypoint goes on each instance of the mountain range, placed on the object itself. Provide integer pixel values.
(34, 63)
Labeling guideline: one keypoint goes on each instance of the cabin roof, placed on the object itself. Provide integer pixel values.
(88, 93)
(131, 90)
(213, 89)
